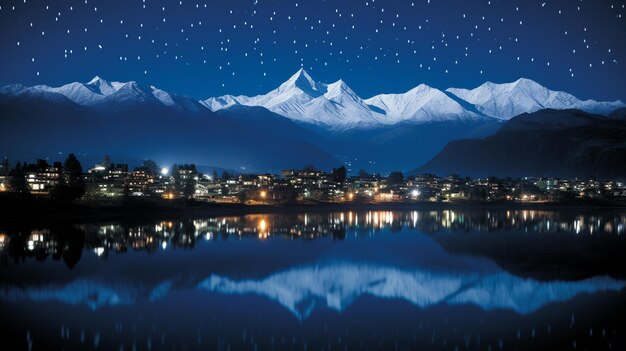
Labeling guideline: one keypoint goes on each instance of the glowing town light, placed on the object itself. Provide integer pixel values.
(415, 193)
(165, 171)
(263, 194)
(351, 196)
(164, 245)
(4, 239)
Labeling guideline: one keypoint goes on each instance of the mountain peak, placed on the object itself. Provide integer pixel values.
(340, 84)
(523, 80)
(419, 89)
(96, 80)
(300, 74)
(338, 88)
(303, 81)
(526, 83)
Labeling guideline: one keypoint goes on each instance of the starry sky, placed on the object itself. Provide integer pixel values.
(209, 48)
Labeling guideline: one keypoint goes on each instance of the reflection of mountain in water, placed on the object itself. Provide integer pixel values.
(336, 286)
(334, 281)
(92, 293)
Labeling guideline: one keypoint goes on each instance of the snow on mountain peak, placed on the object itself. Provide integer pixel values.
(337, 88)
(507, 100)
(95, 80)
(103, 87)
(302, 80)
(420, 104)
(304, 99)
(162, 96)
(99, 92)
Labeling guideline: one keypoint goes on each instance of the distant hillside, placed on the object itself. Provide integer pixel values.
(35, 124)
(559, 143)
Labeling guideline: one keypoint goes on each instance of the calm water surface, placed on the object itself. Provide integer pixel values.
(443, 279)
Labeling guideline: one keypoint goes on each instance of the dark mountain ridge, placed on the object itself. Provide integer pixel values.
(547, 143)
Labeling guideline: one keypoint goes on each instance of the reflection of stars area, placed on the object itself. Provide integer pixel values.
(247, 47)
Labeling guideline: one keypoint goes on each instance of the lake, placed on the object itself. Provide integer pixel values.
(463, 279)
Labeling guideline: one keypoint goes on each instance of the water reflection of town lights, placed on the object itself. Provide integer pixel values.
(263, 229)
(164, 245)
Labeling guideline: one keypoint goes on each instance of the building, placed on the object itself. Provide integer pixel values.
(107, 181)
(42, 177)
(141, 182)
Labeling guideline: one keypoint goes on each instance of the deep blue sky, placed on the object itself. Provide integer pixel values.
(208, 48)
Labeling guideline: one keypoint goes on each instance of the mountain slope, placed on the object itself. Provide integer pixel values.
(421, 104)
(134, 124)
(558, 143)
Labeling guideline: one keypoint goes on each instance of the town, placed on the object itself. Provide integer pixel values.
(68, 181)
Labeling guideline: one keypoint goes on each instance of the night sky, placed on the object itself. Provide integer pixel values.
(210, 48)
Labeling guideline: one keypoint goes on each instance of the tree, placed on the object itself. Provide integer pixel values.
(243, 196)
(226, 175)
(309, 168)
(215, 176)
(72, 185)
(339, 174)
(395, 178)
(5, 166)
(17, 182)
(73, 171)
(363, 174)
(151, 167)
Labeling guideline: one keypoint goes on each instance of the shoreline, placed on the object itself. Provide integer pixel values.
(39, 210)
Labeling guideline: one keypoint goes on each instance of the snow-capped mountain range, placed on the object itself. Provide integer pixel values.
(301, 98)
(99, 93)
(508, 100)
